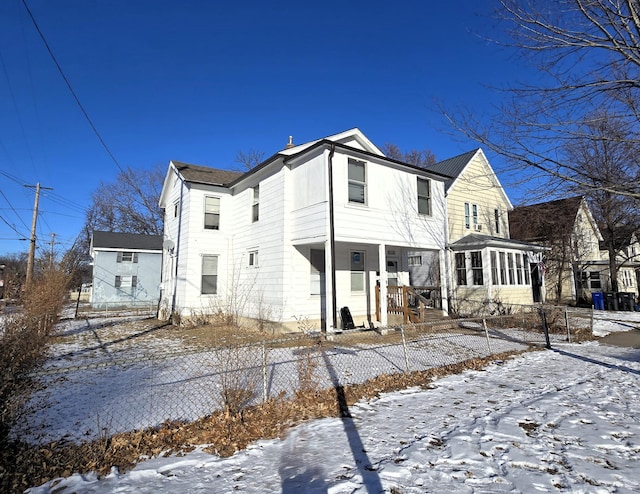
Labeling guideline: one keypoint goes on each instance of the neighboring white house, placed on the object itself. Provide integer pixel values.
(126, 269)
(486, 265)
(316, 227)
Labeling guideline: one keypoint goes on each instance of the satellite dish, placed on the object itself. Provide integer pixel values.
(168, 244)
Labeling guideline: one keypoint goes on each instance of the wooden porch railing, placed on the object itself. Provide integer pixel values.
(410, 301)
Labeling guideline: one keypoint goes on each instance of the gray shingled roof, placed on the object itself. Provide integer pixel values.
(133, 241)
(452, 167)
(205, 174)
(538, 222)
(475, 240)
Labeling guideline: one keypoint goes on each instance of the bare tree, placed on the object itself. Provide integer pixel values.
(422, 158)
(587, 56)
(127, 205)
(250, 159)
(607, 154)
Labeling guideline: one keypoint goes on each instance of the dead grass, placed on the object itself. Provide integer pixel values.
(23, 465)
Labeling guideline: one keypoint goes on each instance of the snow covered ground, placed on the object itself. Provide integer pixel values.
(561, 420)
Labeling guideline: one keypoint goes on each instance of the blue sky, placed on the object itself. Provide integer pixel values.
(197, 81)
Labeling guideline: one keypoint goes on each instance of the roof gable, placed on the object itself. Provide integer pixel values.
(457, 166)
(353, 138)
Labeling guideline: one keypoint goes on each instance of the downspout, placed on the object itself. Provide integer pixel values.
(177, 254)
(332, 241)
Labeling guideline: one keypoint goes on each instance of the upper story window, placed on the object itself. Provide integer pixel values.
(496, 220)
(176, 209)
(467, 215)
(212, 213)
(474, 210)
(357, 181)
(255, 204)
(127, 257)
(424, 196)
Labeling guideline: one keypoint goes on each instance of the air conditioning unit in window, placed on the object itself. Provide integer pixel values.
(477, 227)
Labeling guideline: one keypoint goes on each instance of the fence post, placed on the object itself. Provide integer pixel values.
(566, 322)
(404, 348)
(545, 328)
(264, 371)
(486, 333)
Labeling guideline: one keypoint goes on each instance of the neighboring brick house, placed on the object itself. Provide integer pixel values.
(126, 269)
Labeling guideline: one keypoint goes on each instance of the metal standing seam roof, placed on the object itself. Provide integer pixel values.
(453, 167)
(133, 241)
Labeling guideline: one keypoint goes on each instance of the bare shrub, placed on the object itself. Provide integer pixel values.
(240, 368)
(24, 337)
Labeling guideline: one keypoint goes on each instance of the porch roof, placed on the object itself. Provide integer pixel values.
(479, 241)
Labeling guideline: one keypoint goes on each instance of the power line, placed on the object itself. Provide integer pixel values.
(73, 93)
(14, 209)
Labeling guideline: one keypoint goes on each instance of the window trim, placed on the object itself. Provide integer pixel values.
(461, 269)
(423, 197)
(354, 182)
(253, 258)
(467, 215)
(209, 257)
(205, 213)
(360, 273)
(255, 203)
(477, 269)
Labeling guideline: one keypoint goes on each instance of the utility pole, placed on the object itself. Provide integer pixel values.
(53, 241)
(32, 246)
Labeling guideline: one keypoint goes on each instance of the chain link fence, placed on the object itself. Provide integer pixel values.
(90, 392)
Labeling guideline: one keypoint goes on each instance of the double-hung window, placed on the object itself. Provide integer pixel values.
(461, 269)
(212, 213)
(127, 257)
(126, 281)
(496, 220)
(467, 215)
(475, 215)
(357, 181)
(255, 204)
(357, 271)
(476, 268)
(424, 196)
(209, 281)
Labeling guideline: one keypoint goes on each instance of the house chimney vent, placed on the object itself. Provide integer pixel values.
(290, 143)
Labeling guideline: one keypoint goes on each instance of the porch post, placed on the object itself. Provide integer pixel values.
(382, 269)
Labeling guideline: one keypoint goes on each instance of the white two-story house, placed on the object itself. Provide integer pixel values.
(316, 227)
